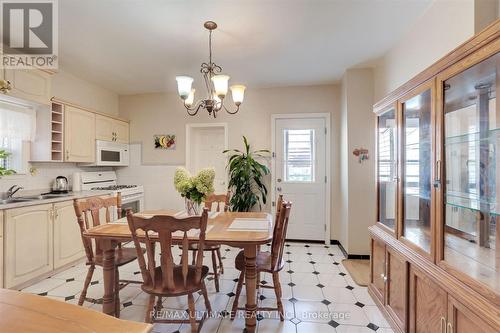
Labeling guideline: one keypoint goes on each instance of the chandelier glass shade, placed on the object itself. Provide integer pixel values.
(217, 86)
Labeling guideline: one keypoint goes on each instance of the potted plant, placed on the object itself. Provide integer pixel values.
(246, 178)
(3, 170)
(194, 189)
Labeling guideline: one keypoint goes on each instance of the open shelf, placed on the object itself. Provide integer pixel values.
(57, 136)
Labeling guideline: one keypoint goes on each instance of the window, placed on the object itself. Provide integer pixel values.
(299, 155)
(17, 126)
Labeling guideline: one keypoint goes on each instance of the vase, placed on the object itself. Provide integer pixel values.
(192, 208)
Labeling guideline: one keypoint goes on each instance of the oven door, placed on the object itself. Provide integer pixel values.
(135, 202)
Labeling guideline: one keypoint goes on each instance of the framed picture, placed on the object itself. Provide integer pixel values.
(164, 141)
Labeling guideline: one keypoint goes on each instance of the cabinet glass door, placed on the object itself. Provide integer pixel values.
(472, 169)
(416, 157)
(387, 168)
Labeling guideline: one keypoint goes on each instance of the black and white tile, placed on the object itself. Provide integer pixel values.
(318, 295)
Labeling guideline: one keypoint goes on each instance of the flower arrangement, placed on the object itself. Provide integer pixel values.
(194, 188)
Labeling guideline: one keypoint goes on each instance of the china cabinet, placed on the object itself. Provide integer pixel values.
(435, 263)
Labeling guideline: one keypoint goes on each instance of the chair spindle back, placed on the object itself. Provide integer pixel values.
(279, 234)
(88, 215)
(163, 227)
(219, 199)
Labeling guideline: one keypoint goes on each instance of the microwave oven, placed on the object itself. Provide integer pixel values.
(111, 153)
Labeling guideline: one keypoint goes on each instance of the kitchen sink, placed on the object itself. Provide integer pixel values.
(14, 200)
(32, 198)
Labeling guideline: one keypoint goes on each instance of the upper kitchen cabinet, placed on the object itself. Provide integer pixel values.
(417, 112)
(387, 164)
(110, 129)
(79, 135)
(30, 84)
(470, 194)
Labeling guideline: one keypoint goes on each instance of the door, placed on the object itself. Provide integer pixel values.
(417, 160)
(121, 130)
(1, 248)
(396, 286)
(79, 135)
(28, 243)
(300, 174)
(427, 304)
(30, 84)
(463, 320)
(103, 128)
(68, 245)
(204, 150)
(377, 267)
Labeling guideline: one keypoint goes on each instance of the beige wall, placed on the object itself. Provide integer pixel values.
(68, 87)
(443, 27)
(164, 114)
(357, 179)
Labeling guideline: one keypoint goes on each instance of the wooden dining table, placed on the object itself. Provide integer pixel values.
(27, 313)
(111, 234)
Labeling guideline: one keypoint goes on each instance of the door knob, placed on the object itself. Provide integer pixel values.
(278, 189)
(278, 180)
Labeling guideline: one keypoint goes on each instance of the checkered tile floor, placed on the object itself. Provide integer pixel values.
(318, 295)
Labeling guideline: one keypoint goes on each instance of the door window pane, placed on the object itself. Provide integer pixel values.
(299, 155)
(387, 168)
(471, 129)
(417, 170)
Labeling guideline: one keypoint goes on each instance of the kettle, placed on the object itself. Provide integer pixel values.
(60, 184)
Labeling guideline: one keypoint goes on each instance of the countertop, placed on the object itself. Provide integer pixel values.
(72, 196)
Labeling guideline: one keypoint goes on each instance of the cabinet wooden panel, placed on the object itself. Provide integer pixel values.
(121, 128)
(427, 303)
(378, 268)
(68, 245)
(103, 128)
(28, 243)
(30, 84)
(462, 320)
(109, 129)
(79, 135)
(397, 289)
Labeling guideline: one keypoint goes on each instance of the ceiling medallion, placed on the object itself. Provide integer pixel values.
(215, 83)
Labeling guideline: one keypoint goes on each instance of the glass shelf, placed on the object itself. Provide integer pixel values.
(472, 172)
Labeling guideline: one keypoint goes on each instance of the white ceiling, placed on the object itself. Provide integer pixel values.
(134, 46)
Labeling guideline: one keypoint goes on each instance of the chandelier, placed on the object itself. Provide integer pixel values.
(215, 83)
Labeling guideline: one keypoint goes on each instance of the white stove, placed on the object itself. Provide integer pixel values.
(132, 195)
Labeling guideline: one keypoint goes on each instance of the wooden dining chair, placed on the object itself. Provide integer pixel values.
(269, 262)
(168, 279)
(88, 212)
(212, 200)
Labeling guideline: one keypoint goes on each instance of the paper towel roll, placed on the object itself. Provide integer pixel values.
(76, 181)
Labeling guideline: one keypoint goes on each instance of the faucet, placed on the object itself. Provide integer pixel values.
(13, 190)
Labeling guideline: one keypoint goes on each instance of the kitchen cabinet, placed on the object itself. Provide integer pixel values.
(377, 275)
(79, 135)
(68, 245)
(110, 129)
(463, 320)
(445, 233)
(30, 84)
(427, 304)
(396, 287)
(28, 243)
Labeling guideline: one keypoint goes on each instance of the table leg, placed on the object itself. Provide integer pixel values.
(108, 267)
(250, 285)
